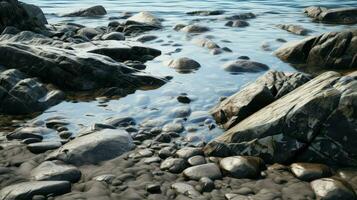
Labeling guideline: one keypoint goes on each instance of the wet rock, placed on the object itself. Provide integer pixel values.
(146, 18)
(335, 50)
(241, 66)
(27, 190)
(173, 127)
(267, 88)
(298, 30)
(194, 29)
(206, 43)
(166, 152)
(184, 65)
(330, 188)
(163, 137)
(310, 171)
(88, 12)
(237, 23)
(113, 36)
(152, 160)
(41, 147)
(65, 134)
(94, 147)
(10, 30)
(21, 16)
(181, 112)
(206, 12)
(242, 166)
(209, 170)
(186, 189)
(120, 121)
(135, 64)
(153, 188)
(55, 171)
(196, 160)
(29, 132)
(207, 185)
(241, 16)
(188, 152)
(183, 99)
(146, 38)
(22, 95)
(173, 165)
(346, 15)
(31, 140)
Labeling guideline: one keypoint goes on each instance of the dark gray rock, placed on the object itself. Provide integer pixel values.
(237, 23)
(29, 132)
(55, 171)
(310, 171)
(186, 189)
(207, 185)
(173, 165)
(298, 30)
(113, 36)
(242, 166)
(332, 188)
(94, 147)
(206, 12)
(241, 66)
(87, 12)
(346, 15)
(26, 190)
(146, 38)
(40, 147)
(241, 16)
(209, 170)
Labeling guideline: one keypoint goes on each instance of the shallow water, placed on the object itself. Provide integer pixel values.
(210, 82)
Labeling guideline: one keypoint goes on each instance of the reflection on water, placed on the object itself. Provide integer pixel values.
(210, 82)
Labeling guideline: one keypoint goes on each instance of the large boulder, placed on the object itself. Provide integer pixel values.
(94, 147)
(87, 12)
(21, 95)
(266, 89)
(21, 15)
(335, 50)
(346, 15)
(301, 125)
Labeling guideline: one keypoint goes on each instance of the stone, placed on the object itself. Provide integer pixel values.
(41, 147)
(183, 99)
(173, 127)
(206, 12)
(173, 165)
(206, 43)
(26, 190)
(94, 147)
(22, 95)
(193, 28)
(347, 15)
(163, 137)
(153, 188)
(146, 38)
(152, 160)
(181, 112)
(184, 65)
(196, 160)
(296, 29)
(237, 23)
(310, 171)
(242, 166)
(330, 189)
(209, 170)
(165, 152)
(87, 12)
(113, 36)
(335, 50)
(186, 189)
(120, 121)
(241, 16)
(188, 152)
(241, 66)
(146, 18)
(207, 184)
(29, 132)
(255, 96)
(55, 171)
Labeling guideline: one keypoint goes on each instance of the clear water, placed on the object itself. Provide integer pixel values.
(210, 82)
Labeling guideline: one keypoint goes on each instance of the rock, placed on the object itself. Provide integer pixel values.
(152, 160)
(237, 23)
(88, 12)
(267, 88)
(28, 132)
(206, 12)
(346, 15)
(94, 147)
(209, 170)
(113, 36)
(310, 171)
(120, 121)
(10, 30)
(153, 188)
(146, 18)
(335, 50)
(184, 65)
(183, 99)
(173, 127)
(242, 166)
(207, 184)
(107, 178)
(196, 160)
(330, 189)
(165, 152)
(65, 134)
(186, 189)
(31, 140)
(26, 190)
(163, 137)
(55, 171)
(279, 133)
(194, 29)
(146, 38)
(298, 30)
(241, 66)
(241, 16)
(21, 16)
(188, 152)
(173, 165)
(23, 95)
(206, 43)
(40, 147)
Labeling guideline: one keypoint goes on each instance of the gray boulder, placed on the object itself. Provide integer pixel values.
(26, 190)
(209, 170)
(335, 50)
(184, 65)
(193, 28)
(94, 147)
(55, 171)
(88, 12)
(21, 95)
(346, 15)
(241, 66)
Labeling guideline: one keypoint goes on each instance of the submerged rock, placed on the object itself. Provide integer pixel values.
(241, 66)
(298, 30)
(206, 43)
(237, 23)
(335, 50)
(87, 12)
(146, 18)
(184, 65)
(346, 15)
(94, 147)
(206, 12)
(194, 29)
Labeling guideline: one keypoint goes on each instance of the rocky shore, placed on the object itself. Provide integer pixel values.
(287, 135)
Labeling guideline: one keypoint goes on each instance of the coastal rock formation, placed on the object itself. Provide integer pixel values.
(300, 125)
(87, 12)
(21, 15)
(335, 50)
(346, 15)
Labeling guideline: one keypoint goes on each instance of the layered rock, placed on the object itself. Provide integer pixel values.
(335, 50)
(300, 125)
(333, 16)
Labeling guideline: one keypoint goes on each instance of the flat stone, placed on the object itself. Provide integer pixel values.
(242, 166)
(188, 152)
(152, 160)
(209, 170)
(196, 160)
(331, 189)
(41, 147)
(347, 15)
(186, 189)
(113, 36)
(173, 165)
(55, 171)
(310, 171)
(237, 23)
